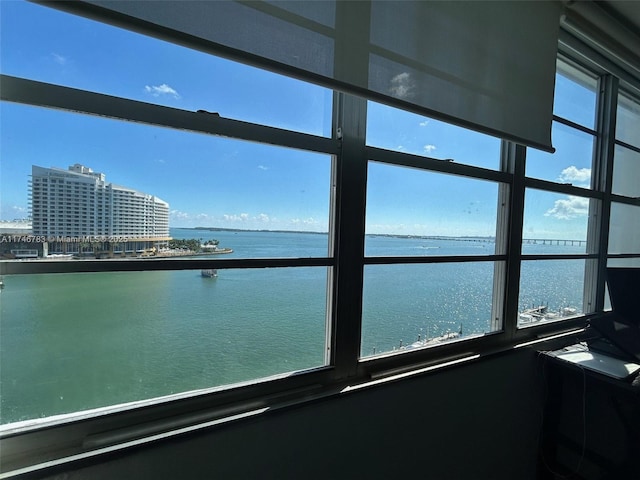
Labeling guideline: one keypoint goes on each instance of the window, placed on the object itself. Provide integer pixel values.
(550, 290)
(133, 341)
(624, 225)
(169, 192)
(406, 132)
(627, 119)
(561, 210)
(624, 230)
(570, 164)
(427, 217)
(142, 68)
(575, 94)
(624, 233)
(573, 131)
(555, 223)
(209, 252)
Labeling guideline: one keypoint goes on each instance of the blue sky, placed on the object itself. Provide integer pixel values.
(218, 182)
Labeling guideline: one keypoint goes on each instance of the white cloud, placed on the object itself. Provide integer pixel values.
(59, 59)
(568, 208)
(185, 215)
(262, 167)
(402, 86)
(429, 148)
(575, 175)
(243, 217)
(305, 221)
(164, 89)
(258, 221)
(178, 215)
(424, 124)
(13, 212)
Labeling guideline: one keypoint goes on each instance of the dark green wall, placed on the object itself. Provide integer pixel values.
(477, 421)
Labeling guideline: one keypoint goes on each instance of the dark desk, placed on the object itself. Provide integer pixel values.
(591, 424)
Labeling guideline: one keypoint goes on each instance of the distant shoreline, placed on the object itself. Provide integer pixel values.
(222, 229)
(390, 235)
(189, 253)
(158, 255)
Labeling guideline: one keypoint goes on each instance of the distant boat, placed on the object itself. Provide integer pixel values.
(542, 313)
(534, 314)
(430, 341)
(1, 283)
(209, 273)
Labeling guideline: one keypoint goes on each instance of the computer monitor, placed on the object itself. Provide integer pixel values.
(624, 292)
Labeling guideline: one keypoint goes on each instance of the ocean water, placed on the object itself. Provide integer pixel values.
(72, 342)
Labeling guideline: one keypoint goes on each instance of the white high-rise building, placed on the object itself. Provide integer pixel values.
(79, 202)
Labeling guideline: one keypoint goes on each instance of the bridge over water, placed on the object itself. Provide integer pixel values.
(546, 241)
(529, 241)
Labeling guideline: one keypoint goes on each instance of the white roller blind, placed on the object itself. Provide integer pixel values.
(484, 65)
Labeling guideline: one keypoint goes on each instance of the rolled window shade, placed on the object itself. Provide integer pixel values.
(485, 65)
(591, 23)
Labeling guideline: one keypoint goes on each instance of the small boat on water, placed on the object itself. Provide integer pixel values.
(209, 273)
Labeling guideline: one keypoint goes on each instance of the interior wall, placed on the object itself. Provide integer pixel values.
(477, 421)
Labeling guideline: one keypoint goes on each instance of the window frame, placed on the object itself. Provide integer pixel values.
(55, 441)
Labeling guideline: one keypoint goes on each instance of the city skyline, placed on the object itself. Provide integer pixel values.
(218, 182)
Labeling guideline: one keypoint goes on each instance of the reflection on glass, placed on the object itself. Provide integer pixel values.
(624, 262)
(624, 229)
(554, 223)
(575, 95)
(212, 186)
(550, 290)
(425, 207)
(51, 46)
(626, 171)
(399, 130)
(73, 342)
(414, 306)
(571, 162)
(628, 120)
(607, 299)
(618, 263)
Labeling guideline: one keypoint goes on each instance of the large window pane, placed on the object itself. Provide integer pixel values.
(73, 342)
(211, 185)
(619, 263)
(628, 120)
(54, 47)
(575, 95)
(414, 306)
(431, 207)
(398, 130)
(624, 262)
(571, 163)
(550, 290)
(624, 229)
(554, 223)
(626, 171)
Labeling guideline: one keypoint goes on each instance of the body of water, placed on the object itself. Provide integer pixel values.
(72, 342)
